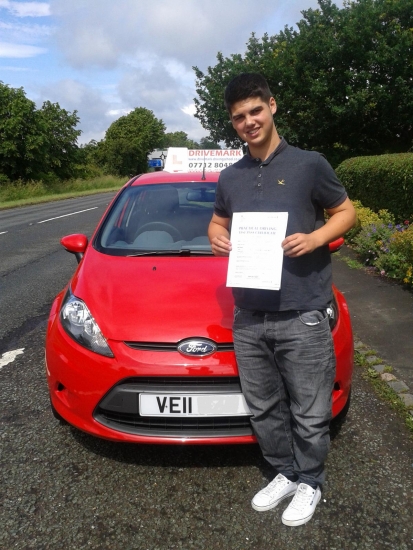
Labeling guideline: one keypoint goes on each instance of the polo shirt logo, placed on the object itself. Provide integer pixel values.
(281, 182)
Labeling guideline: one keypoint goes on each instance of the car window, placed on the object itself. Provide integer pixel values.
(161, 217)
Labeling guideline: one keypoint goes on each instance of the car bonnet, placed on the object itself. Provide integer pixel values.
(156, 299)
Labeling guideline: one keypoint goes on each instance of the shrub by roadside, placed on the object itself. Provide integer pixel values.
(382, 181)
(11, 193)
(382, 244)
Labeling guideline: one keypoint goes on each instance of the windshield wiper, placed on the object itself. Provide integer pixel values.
(181, 252)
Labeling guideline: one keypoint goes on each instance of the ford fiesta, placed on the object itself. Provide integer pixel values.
(139, 344)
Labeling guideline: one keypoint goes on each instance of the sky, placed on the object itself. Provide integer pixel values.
(104, 58)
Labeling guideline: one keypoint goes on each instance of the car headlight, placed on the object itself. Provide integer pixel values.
(80, 325)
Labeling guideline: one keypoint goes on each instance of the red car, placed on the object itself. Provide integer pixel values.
(139, 344)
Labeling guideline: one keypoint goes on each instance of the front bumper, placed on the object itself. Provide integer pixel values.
(100, 395)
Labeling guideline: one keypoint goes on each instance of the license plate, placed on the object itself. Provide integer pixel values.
(155, 404)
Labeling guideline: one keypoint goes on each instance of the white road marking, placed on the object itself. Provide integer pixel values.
(3, 232)
(71, 214)
(9, 357)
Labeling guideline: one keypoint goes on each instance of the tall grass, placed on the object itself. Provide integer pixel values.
(36, 191)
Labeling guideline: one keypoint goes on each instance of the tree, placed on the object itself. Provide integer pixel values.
(206, 143)
(342, 80)
(60, 150)
(20, 139)
(176, 139)
(128, 141)
(35, 143)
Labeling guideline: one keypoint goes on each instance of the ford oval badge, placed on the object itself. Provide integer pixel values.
(197, 348)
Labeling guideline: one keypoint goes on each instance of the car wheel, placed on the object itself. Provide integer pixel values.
(56, 414)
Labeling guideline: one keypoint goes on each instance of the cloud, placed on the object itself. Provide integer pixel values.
(144, 50)
(118, 112)
(167, 90)
(24, 33)
(103, 33)
(189, 109)
(93, 110)
(15, 69)
(26, 9)
(8, 49)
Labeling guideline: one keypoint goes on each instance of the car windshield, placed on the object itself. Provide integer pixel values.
(159, 219)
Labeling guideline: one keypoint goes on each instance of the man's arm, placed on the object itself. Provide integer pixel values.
(218, 233)
(342, 218)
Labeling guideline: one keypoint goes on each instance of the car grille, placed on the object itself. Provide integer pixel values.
(119, 409)
(167, 346)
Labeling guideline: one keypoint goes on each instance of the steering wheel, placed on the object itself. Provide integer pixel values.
(161, 226)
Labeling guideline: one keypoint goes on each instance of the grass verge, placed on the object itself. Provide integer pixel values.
(382, 389)
(22, 194)
(352, 264)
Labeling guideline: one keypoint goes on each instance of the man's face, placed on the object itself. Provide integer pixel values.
(253, 121)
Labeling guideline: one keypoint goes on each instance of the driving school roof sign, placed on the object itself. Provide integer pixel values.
(181, 159)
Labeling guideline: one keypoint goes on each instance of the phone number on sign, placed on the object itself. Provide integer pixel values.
(209, 164)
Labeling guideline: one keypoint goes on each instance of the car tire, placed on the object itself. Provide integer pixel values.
(56, 414)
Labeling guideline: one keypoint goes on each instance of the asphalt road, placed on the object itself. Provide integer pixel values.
(62, 489)
(33, 265)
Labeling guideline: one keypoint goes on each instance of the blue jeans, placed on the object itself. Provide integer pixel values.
(286, 364)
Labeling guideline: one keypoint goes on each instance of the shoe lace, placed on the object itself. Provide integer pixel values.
(273, 484)
(301, 499)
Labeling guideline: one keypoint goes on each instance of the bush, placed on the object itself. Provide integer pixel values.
(366, 217)
(371, 241)
(382, 245)
(19, 190)
(397, 260)
(4, 180)
(379, 182)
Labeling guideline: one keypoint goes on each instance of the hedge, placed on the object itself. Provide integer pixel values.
(381, 182)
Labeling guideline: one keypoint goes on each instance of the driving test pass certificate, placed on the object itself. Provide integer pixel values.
(256, 258)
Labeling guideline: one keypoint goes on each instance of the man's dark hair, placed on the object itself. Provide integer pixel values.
(244, 86)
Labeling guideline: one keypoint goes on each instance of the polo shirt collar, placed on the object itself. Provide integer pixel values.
(280, 147)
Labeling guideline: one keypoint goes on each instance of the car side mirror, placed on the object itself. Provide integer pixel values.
(334, 246)
(75, 244)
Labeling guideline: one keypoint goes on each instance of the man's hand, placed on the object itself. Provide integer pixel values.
(299, 244)
(219, 236)
(221, 246)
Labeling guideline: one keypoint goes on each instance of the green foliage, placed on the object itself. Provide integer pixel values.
(91, 160)
(366, 217)
(35, 143)
(20, 141)
(342, 80)
(177, 139)
(397, 259)
(384, 181)
(371, 240)
(35, 191)
(4, 180)
(128, 141)
(206, 143)
(383, 245)
(60, 150)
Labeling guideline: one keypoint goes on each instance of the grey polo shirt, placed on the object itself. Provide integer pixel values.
(303, 184)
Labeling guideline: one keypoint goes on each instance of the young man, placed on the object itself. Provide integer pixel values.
(282, 338)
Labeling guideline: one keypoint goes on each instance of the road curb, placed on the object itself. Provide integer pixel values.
(386, 373)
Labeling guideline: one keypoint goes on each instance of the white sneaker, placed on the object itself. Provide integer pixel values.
(276, 491)
(302, 507)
